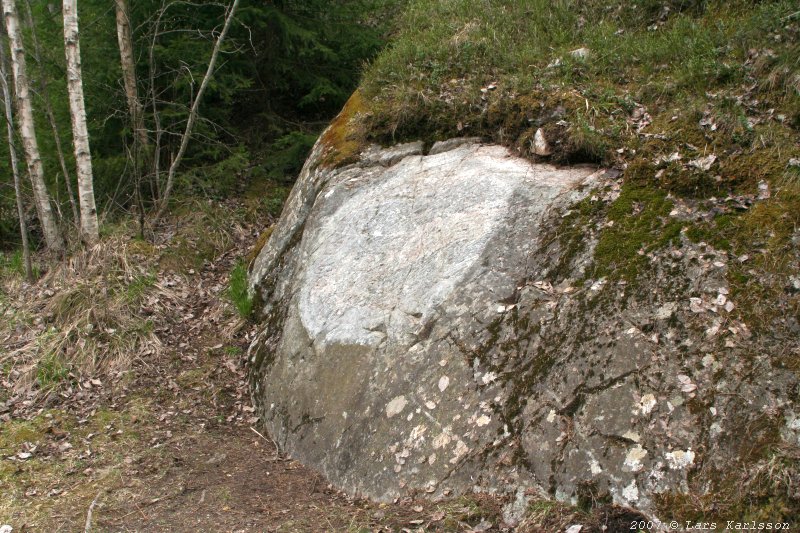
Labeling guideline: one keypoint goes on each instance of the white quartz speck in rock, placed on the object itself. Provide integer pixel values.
(540, 145)
(483, 420)
(460, 451)
(488, 378)
(444, 382)
(696, 305)
(666, 310)
(647, 403)
(633, 461)
(631, 435)
(396, 406)
(441, 441)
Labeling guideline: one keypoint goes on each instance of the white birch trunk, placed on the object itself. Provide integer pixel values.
(48, 109)
(129, 71)
(23, 229)
(80, 132)
(53, 239)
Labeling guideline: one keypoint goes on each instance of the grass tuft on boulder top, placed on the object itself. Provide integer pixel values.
(607, 81)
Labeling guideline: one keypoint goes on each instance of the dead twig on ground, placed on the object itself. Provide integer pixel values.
(88, 526)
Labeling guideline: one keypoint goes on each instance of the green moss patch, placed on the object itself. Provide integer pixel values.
(638, 223)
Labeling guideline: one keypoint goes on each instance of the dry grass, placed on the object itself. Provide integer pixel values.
(778, 474)
(201, 231)
(92, 315)
(96, 314)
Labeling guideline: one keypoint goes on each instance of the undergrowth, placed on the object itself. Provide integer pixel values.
(12, 263)
(203, 230)
(95, 321)
(95, 313)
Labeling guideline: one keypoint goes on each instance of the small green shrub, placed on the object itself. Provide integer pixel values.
(220, 179)
(237, 290)
(287, 154)
(233, 351)
(51, 371)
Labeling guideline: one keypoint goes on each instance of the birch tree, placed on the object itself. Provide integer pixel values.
(80, 132)
(44, 92)
(129, 71)
(23, 228)
(53, 239)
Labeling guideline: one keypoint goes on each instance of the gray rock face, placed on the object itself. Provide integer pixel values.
(401, 245)
(423, 329)
(367, 380)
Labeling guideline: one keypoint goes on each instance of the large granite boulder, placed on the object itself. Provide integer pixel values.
(425, 328)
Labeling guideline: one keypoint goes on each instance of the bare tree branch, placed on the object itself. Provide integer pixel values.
(193, 113)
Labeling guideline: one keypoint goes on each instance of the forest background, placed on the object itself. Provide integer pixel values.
(285, 68)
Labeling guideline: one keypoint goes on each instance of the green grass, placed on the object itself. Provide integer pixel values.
(13, 262)
(237, 291)
(512, 42)
(698, 56)
(137, 287)
(51, 371)
(114, 436)
(233, 351)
